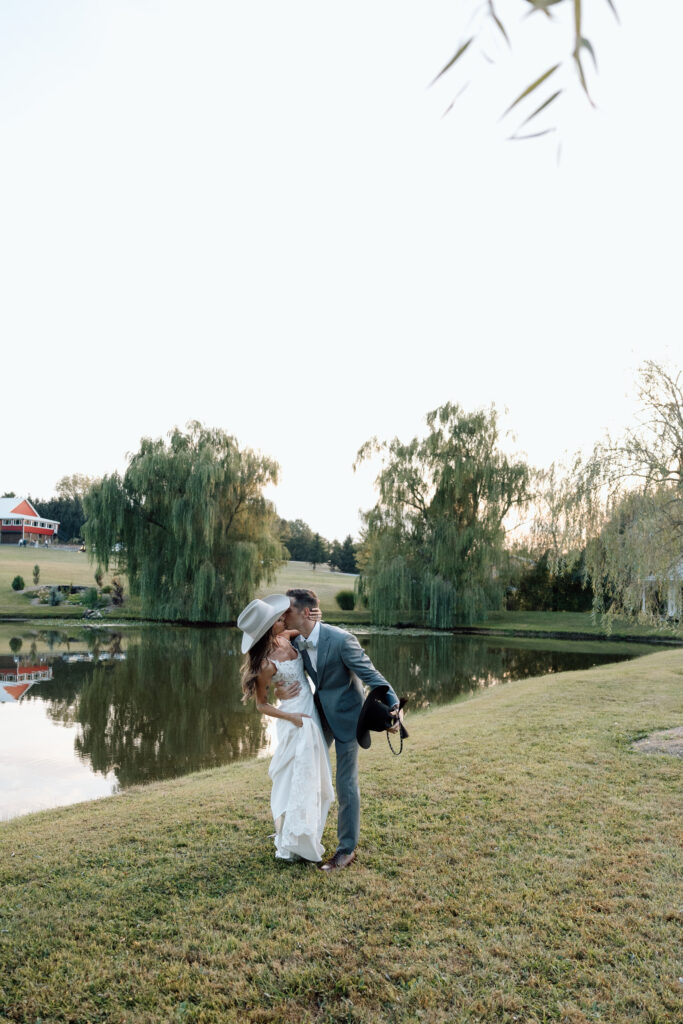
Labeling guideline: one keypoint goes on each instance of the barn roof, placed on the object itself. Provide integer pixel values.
(21, 508)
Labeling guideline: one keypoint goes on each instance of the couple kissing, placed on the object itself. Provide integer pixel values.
(316, 673)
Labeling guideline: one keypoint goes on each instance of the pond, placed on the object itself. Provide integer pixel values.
(88, 711)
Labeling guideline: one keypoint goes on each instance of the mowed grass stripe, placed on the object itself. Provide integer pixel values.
(518, 862)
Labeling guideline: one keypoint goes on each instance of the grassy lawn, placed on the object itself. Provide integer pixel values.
(56, 567)
(325, 583)
(518, 863)
(574, 622)
(64, 567)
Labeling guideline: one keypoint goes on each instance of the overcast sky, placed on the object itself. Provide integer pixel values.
(255, 215)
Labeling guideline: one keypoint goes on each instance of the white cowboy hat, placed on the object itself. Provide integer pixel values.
(258, 617)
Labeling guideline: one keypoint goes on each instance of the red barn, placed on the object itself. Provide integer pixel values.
(20, 521)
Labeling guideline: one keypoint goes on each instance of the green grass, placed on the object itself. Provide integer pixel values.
(325, 583)
(65, 567)
(56, 567)
(574, 622)
(518, 863)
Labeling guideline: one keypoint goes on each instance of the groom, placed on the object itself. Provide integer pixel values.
(336, 663)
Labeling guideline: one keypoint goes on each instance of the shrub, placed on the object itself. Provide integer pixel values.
(106, 590)
(36, 575)
(55, 597)
(116, 591)
(99, 575)
(346, 599)
(15, 644)
(90, 598)
(18, 583)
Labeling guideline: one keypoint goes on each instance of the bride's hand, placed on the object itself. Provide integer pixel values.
(297, 719)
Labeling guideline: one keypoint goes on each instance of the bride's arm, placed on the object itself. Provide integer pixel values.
(262, 683)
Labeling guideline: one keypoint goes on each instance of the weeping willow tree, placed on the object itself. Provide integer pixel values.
(434, 542)
(624, 506)
(189, 522)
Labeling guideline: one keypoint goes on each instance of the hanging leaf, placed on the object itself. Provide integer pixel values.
(530, 88)
(533, 135)
(455, 99)
(582, 77)
(499, 23)
(613, 9)
(586, 44)
(543, 106)
(543, 6)
(452, 61)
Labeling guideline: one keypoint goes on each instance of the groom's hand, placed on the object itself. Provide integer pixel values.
(285, 691)
(399, 721)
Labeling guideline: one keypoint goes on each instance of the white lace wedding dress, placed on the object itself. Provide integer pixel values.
(300, 772)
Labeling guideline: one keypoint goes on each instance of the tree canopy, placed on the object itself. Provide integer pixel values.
(189, 521)
(624, 503)
(434, 541)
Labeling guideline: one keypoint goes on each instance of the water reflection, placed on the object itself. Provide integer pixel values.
(151, 703)
(437, 668)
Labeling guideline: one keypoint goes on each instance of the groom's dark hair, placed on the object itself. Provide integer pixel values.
(303, 598)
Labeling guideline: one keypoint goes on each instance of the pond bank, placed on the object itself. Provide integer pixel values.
(518, 860)
(549, 625)
(643, 638)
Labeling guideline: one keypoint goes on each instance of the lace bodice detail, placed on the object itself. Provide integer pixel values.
(289, 672)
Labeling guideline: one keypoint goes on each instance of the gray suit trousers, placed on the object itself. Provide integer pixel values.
(348, 790)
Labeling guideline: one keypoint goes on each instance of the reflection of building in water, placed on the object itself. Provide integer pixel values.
(90, 656)
(17, 677)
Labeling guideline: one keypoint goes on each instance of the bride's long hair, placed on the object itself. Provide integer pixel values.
(253, 663)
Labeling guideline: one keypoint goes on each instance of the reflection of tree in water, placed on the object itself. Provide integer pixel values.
(441, 667)
(172, 707)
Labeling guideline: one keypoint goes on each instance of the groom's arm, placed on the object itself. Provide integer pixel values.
(357, 661)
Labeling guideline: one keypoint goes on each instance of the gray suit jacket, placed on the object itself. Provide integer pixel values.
(341, 665)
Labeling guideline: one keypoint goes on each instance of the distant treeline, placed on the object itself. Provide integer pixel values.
(68, 512)
(303, 545)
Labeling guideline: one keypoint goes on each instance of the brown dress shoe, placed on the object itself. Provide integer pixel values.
(340, 860)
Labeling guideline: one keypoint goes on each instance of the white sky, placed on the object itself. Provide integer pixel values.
(255, 215)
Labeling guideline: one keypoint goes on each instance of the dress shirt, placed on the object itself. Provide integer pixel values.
(313, 638)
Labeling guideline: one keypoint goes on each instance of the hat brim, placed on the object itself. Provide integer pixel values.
(280, 603)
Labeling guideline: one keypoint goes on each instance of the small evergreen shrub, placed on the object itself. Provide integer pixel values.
(18, 583)
(90, 598)
(55, 597)
(346, 599)
(36, 575)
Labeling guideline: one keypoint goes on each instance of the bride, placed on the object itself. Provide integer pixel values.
(300, 770)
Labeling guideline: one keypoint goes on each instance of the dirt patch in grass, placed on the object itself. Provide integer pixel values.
(667, 741)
